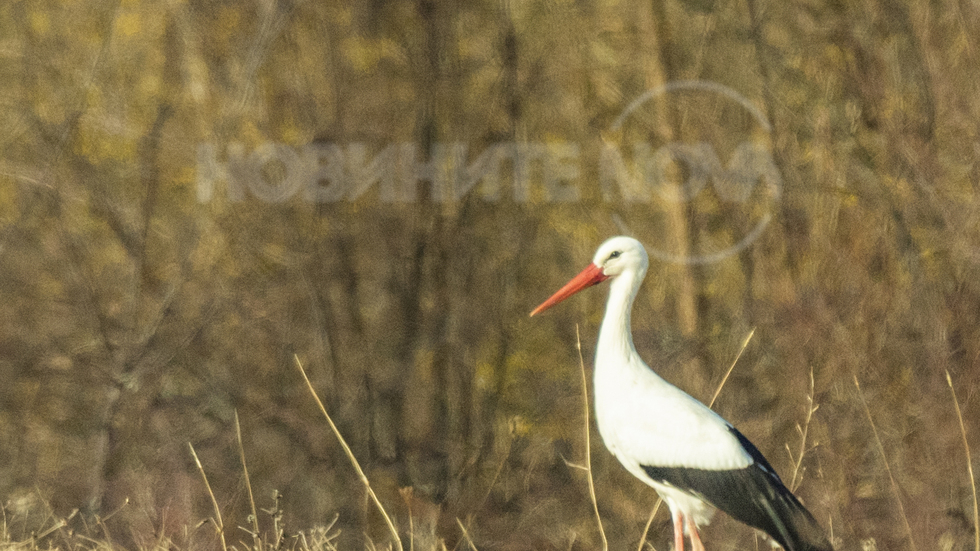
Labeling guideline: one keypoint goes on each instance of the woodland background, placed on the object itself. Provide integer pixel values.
(136, 318)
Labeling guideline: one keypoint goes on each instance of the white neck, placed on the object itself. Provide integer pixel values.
(615, 334)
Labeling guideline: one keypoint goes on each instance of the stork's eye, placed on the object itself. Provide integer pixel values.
(615, 254)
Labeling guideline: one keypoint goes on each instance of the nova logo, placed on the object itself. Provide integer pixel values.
(695, 122)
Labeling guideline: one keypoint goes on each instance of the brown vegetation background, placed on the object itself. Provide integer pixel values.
(136, 318)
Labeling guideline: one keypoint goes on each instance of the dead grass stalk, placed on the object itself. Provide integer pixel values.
(353, 460)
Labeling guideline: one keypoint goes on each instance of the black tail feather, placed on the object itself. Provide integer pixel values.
(784, 518)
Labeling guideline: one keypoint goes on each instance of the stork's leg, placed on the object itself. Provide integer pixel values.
(678, 530)
(692, 531)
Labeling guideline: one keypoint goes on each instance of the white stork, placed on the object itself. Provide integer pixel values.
(692, 457)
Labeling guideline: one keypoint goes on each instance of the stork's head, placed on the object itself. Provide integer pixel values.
(615, 257)
(620, 254)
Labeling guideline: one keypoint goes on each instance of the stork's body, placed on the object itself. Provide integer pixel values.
(695, 460)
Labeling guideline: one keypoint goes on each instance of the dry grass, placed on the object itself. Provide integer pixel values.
(16, 534)
(219, 524)
(884, 459)
(30, 524)
(969, 465)
(395, 538)
(588, 440)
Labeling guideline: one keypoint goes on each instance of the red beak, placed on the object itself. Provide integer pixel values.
(589, 277)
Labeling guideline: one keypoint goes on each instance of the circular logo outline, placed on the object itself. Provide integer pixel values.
(731, 94)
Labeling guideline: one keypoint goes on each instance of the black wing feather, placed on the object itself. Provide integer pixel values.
(753, 495)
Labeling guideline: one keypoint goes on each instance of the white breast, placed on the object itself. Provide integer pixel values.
(646, 421)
